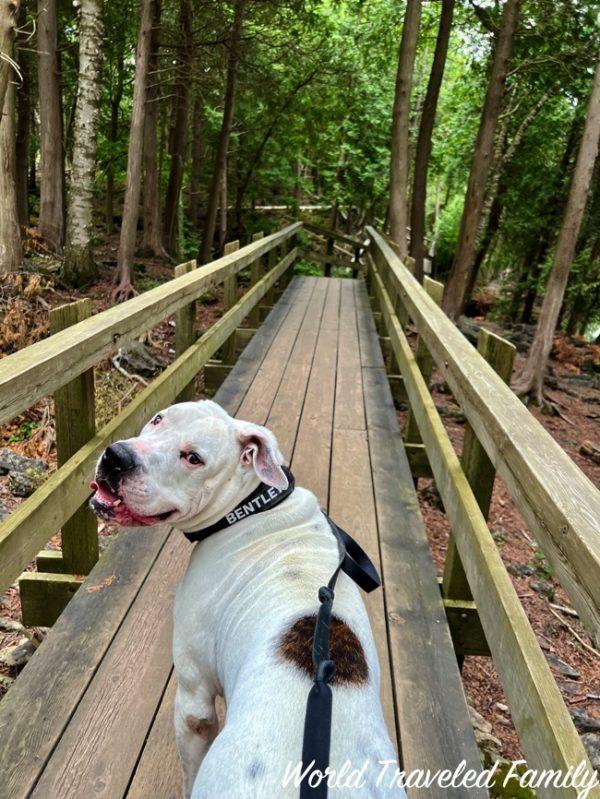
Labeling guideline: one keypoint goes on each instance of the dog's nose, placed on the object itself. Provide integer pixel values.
(118, 459)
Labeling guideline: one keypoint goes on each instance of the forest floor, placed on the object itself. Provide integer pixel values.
(574, 389)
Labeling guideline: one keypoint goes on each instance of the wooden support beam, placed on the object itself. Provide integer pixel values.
(215, 373)
(418, 460)
(256, 271)
(332, 260)
(185, 331)
(397, 388)
(229, 300)
(478, 468)
(424, 360)
(44, 596)
(50, 560)
(319, 230)
(264, 311)
(467, 633)
(242, 336)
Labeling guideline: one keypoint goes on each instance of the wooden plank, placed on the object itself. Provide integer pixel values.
(214, 374)
(311, 457)
(75, 423)
(29, 527)
(349, 411)
(560, 505)
(229, 300)
(319, 230)
(38, 370)
(370, 351)
(262, 392)
(44, 596)
(433, 720)
(546, 733)
(467, 633)
(50, 560)
(243, 335)
(120, 702)
(185, 331)
(284, 415)
(478, 468)
(158, 772)
(54, 680)
(418, 460)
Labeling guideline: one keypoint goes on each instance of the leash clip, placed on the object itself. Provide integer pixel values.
(325, 671)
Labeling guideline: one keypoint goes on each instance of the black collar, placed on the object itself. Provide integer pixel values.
(264, 497)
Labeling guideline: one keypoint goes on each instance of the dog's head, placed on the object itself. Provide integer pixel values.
(189, 462)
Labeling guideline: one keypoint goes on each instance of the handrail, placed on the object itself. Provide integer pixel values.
(548, 737)
(559, 503)
(38, 370)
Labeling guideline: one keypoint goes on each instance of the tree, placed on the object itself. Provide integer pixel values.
(423, 152)
(9, 10)
(11, 255)
(455, 295)
(531, 379)
(226, 125)
(127, 240)
(152, 234)
(23, 129)
(398, 212)
(179, 130)
(79, 267)
(52, 213)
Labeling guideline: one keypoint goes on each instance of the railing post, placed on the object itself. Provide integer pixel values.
(256, 271)
(185, 331)
(272, 259)
(45, 594)
(229, 299)
(478, 468)
(424, 360)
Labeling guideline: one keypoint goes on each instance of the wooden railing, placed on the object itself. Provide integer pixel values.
(560, 505)
(62, 364)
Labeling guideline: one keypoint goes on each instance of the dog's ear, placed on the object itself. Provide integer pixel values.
(260, 451)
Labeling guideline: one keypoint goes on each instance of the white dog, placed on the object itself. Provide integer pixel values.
(245, 610)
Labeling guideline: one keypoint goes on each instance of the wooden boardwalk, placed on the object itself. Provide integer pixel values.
(91, 713)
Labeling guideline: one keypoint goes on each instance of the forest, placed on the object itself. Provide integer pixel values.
(467, 130)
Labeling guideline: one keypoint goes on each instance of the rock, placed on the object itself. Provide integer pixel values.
(590, 450)
(11, 625)
(502, 708)
(17, 656)
(520, 569)
(563, 668)
(469, 330)
(5, 683)
(487, 742)
(22, 484)
(591, 743)
(583, 721)
(12, 462)
(432, 497)
(138, 358)
(569, 688)
(543, 587)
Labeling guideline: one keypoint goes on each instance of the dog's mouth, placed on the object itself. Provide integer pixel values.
(110, 505)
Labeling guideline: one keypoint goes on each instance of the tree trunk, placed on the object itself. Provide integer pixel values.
(131, 202)
(531, 379)
(9, 10)
(223, 144)
(455, 295)
(23, 125)
(223, 212)
(178, 137)
(152, 235)
(197, 155)
(419, 193)
(398, 209)
(11, 254)
(79, 267)
(52, 180)
(113, 136)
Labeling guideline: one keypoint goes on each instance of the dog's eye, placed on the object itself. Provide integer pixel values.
(192, 458)
(157, 419)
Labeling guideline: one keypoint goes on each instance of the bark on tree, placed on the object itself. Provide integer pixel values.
(423, 152)
(226, 125)
(9, 10)
(11, 255)
(113, 136)
(79, 267)
(398, 208)
(127, 240)
(23, 123)
(532, 376)
(152, 235)
(223, 212)
(196, 157)
(178, 137)
(455, 295)
(52, 181)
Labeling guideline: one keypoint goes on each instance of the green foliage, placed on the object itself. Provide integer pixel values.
(24, 432)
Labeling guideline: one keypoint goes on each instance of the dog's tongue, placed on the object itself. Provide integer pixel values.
(103, 493)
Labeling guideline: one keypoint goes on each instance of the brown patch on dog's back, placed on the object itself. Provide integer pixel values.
(345, 650)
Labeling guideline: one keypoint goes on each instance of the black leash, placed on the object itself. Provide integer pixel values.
(356, 564)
